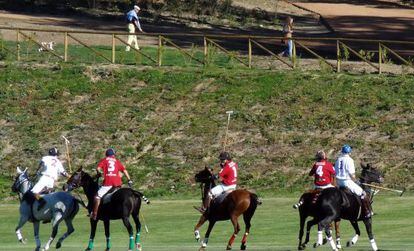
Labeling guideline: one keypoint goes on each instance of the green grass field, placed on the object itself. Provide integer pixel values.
(171, 222)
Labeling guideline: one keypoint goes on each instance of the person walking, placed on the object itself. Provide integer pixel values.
(133, 25)
(287, 37)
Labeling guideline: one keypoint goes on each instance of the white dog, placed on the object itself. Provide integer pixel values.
(48, 45)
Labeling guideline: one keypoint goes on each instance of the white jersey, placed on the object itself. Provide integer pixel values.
(52, 167)
(344, 167)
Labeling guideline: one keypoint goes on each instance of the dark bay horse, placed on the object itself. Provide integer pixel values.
(349, 208)
(123, 203)
(60, 206)
(236, 203)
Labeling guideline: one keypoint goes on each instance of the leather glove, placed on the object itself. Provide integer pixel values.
(130, 183)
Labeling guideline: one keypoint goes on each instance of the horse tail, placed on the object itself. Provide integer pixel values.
(141, 195)
(254, 200)
(300, 202)
(80, 202)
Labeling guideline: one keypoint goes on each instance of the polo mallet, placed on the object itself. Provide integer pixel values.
(401, 192)
(143, 220)
(229, 113)
(67, 152)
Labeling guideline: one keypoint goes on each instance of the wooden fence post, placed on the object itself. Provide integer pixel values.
(159, 50)
(294, 54)
(205, 50)
(250, 53)
(338, 57)
(65, 45)
(18, 45)
(113, 48)
(379, 58)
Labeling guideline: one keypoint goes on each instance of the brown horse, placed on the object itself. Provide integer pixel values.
(234, 204)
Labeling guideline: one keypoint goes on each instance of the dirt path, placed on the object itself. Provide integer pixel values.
(370, 20)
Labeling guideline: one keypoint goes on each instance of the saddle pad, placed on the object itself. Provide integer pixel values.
(107, 197)
(219, 199)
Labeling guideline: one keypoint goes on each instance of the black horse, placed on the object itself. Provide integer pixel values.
(123, 203)
(346, 205)
(236, 203)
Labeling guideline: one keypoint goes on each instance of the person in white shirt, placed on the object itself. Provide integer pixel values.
(49, 170)
(345, 177)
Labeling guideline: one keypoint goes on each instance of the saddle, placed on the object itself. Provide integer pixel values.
(107, 197)
(219, 199)
(345, 192)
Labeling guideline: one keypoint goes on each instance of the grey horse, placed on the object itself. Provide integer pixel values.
(59, 206)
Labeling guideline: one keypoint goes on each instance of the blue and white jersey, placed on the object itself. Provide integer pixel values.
(344, 167)
(133, 18)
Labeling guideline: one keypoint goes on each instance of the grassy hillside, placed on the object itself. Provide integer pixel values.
(167, 123)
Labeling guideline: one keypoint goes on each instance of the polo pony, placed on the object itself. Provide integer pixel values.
(347, 206)
(224, 207)
(120, 204)
(60, 206)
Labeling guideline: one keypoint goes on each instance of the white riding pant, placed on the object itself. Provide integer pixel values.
(219, 189)
(44, 181)
(102, 191)
(132, 38)
(351, 185)
(323, 187)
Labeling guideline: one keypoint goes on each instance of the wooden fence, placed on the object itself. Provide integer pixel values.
(335, 51)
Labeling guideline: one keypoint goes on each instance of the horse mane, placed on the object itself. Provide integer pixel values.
(29, 197)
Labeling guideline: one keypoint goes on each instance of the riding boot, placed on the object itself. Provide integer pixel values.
(41, 201)
(94, 214)
(366, 207)
(206, 204)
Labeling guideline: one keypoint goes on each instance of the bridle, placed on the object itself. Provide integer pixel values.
(370, 171)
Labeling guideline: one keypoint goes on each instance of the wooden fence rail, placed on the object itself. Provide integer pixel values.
(252, 42)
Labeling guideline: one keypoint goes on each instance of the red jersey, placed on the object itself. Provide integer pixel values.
(228, 173)
(111, 168)
(323, 172)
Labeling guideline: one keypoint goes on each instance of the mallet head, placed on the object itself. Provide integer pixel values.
(66, 140)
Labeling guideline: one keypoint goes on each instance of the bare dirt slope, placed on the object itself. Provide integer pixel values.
(372, 19)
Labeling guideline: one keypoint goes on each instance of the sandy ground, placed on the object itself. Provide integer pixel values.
(371, 20)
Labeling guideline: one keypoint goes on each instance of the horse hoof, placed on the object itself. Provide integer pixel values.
(23, 241)
(324, 241)
(302, 247)
(228, 247)
(243, 247)
(315, 245)
(349, 244)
